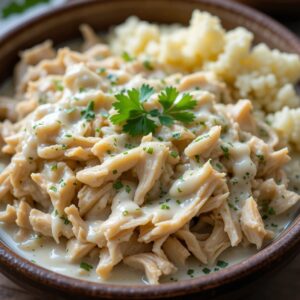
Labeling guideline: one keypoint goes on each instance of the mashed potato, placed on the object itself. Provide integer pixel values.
(257, 72)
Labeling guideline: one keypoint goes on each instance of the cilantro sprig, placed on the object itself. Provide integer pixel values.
(138, 121)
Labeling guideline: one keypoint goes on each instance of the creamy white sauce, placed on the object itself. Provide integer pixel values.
(52, 257)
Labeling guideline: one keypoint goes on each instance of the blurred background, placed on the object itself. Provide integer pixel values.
(279, 286)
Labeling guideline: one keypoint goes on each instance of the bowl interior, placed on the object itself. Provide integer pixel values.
(61, 25)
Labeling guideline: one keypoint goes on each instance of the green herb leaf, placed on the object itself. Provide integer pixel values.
(176, 111)
(147, 65)
(88, 113)
(58, 85)
(222, 264)
(53, 188)
(141, 125)
(127, 57)
(165, 206)
(138, 121)
(146, 92)
(86, 266)
(167, 97)
(18, 7)
(206, 270)
(54, 167)
(118, 185)
(190, 272)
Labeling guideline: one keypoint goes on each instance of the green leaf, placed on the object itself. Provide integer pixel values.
(86, 266)
(131, 111)
(186, 102)
(146, 92)
(184, 117)
(174, 110)
(154, 113)
(125, 105)
(127, 57)
(166, 120)
(18, 7)
(88, 113)
(167, 97)
(141, 125)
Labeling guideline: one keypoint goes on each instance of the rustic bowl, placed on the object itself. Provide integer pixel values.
(61, 24)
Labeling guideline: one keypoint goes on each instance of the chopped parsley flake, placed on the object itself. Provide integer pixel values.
(150, 150)
(101, 70)
(112, 78)
(88, 113)
(118, 185)
(176, 135)
(219, 166)
(190, 272)
(201, 137)
(62, 183)
(115, 171)
(54, 167)
(174, 154)
(58, 85)
(65, 219)
(225, 151)
(147, 65)
(127, 57)
(86, 266)
(165, 206)
(53, 188)
(271, 211)
(260, 157)
(222, 264)
(206, 270)
(125, 213)
(128, 189)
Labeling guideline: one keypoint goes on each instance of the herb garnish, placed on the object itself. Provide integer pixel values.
(190, 272)
(125, 213)
(88, 113)
(54, 167)
(53, 188)
(206, 270)
(17, 7)
(165, 206)
(86, 266)
(147, 65)
(118, 185)
(127, 57)
(225, 150)
(222, 264)
(174, 154)
(58, 85)
(138, 121)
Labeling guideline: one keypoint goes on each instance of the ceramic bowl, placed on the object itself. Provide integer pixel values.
(61, 24)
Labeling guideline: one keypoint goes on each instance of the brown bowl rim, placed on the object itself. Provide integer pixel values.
(14, 265)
